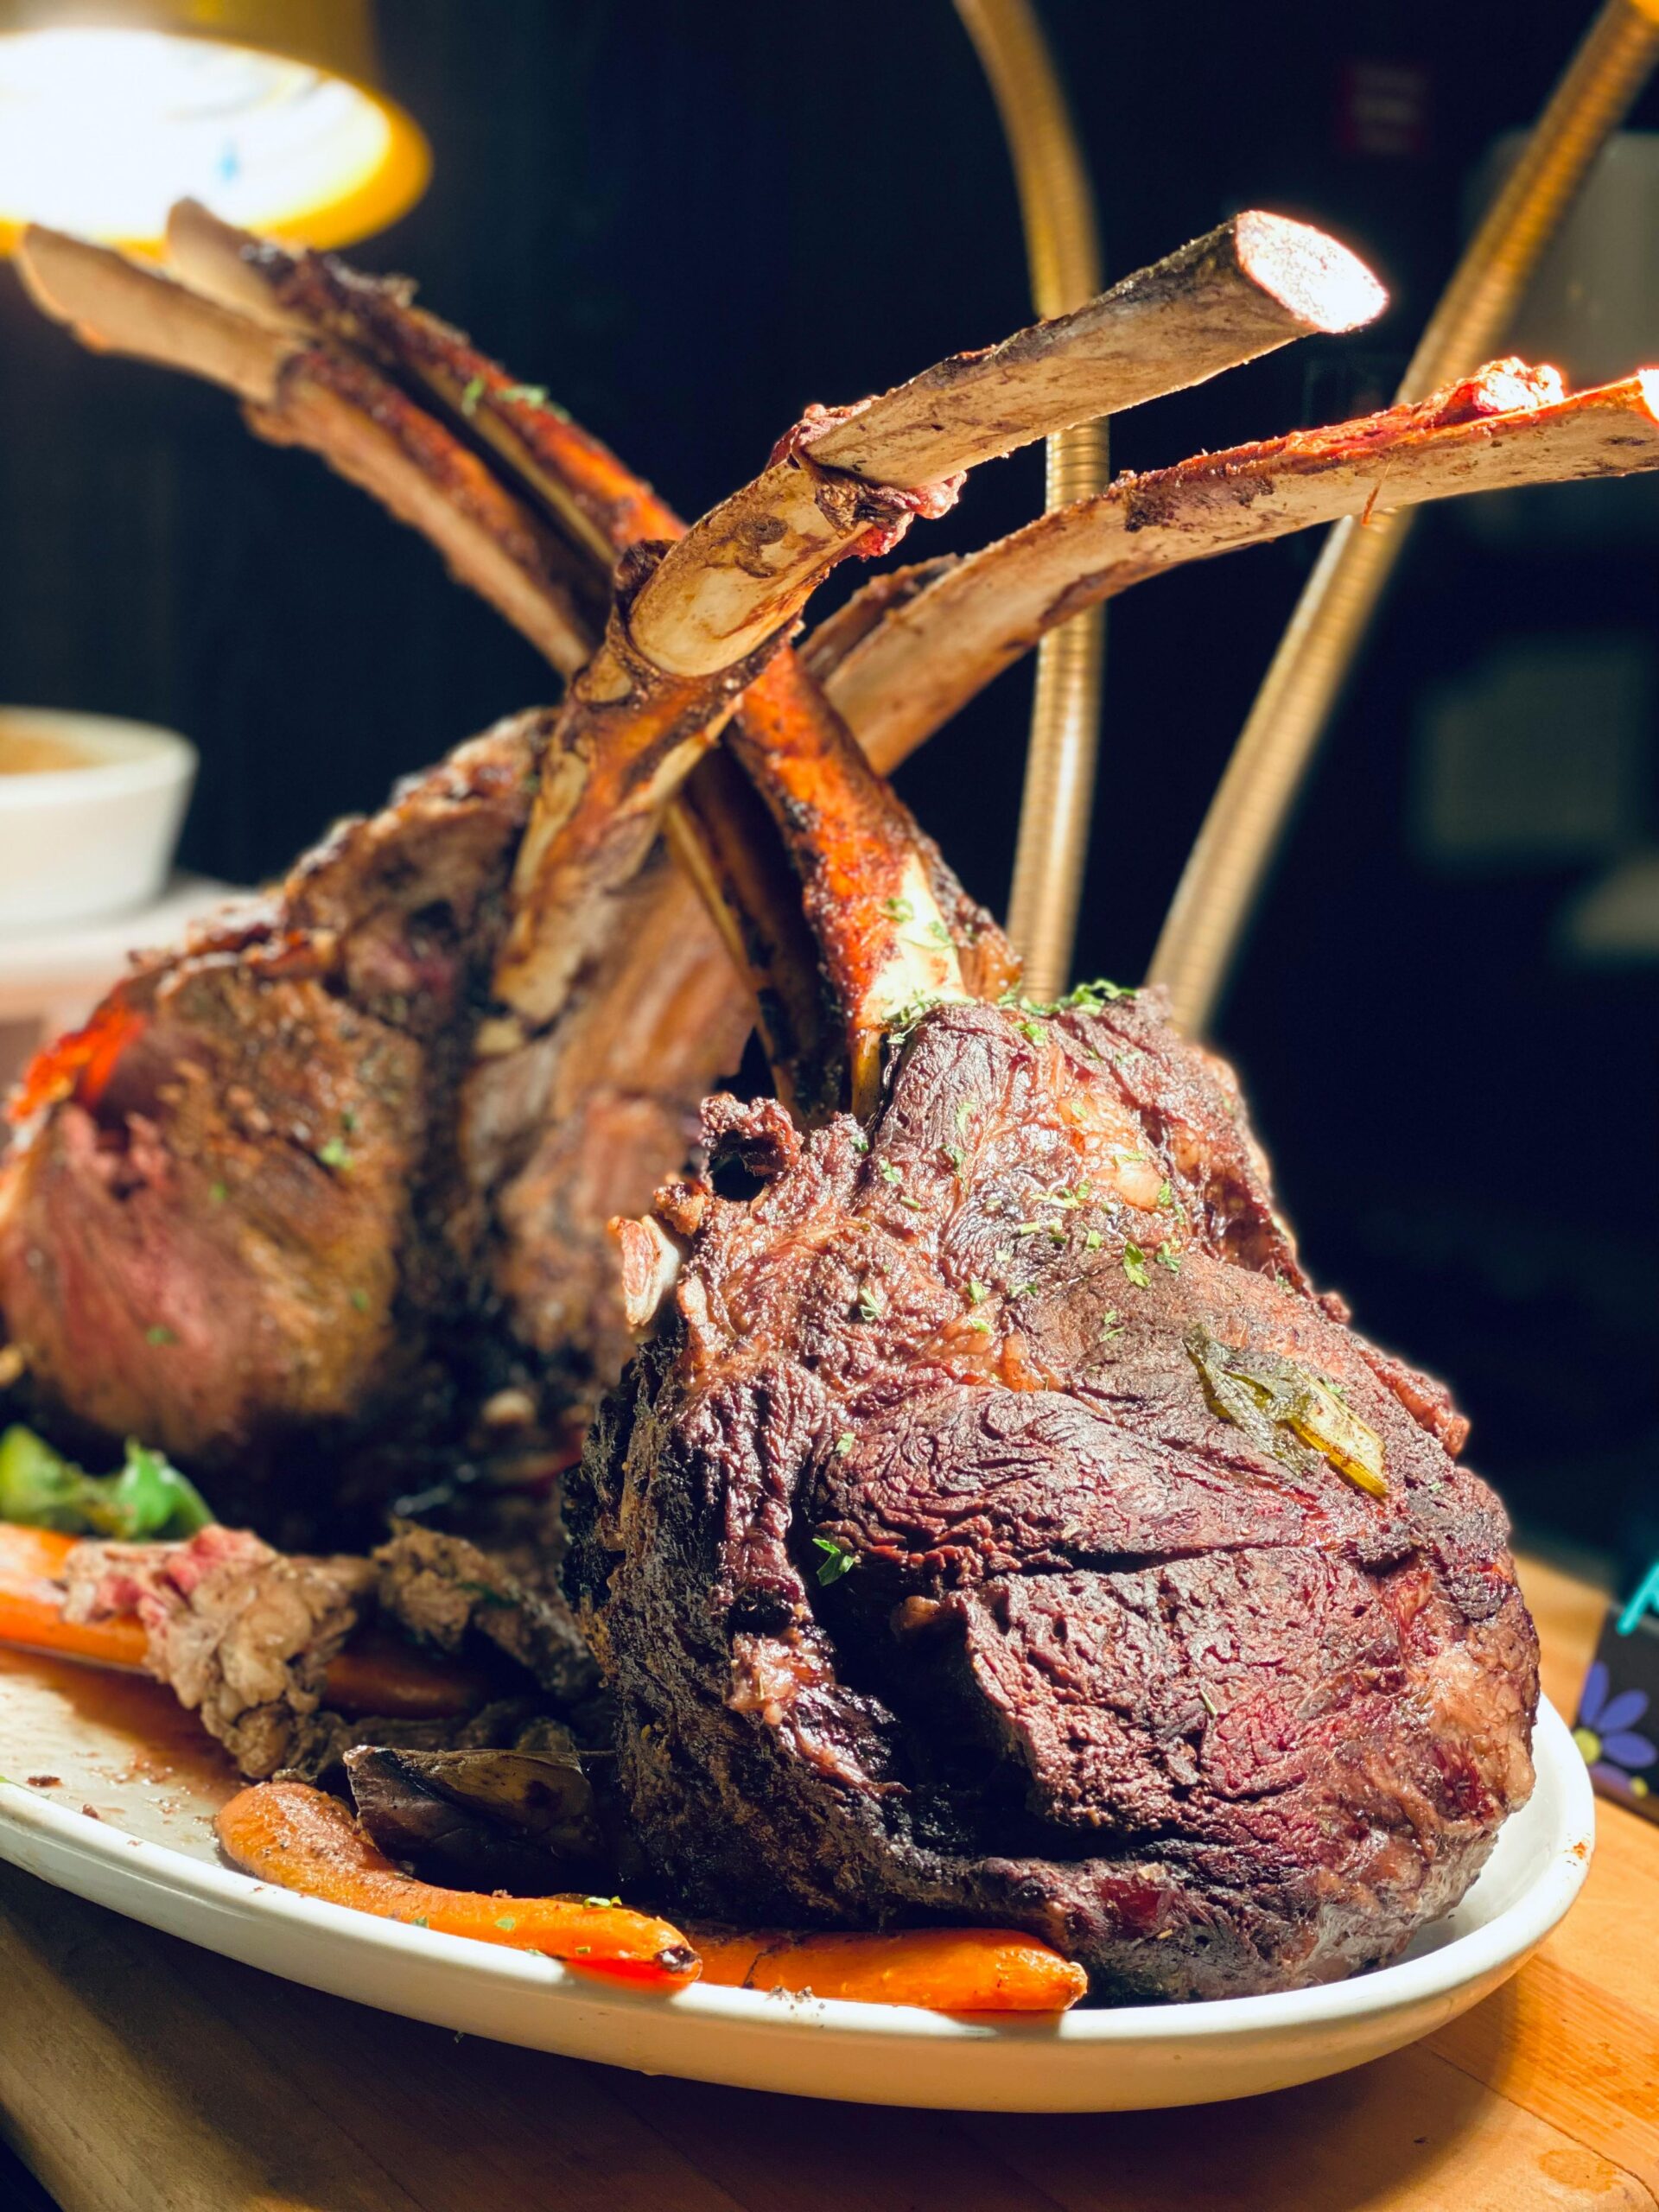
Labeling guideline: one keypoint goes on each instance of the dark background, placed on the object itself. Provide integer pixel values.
(688, 220)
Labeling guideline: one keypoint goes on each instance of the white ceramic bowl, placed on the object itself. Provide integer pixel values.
(78, 842)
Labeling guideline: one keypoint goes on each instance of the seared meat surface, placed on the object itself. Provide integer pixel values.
(999, 1528)
(269, 1213)
(237, 1220)
(445, 1591)
(240, 1634)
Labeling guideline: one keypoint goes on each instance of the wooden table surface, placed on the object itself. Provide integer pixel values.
(137, 2074)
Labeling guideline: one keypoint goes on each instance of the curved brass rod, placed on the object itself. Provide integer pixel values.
(1056, 210)
(1247, 817)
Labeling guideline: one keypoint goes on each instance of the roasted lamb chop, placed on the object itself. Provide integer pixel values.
(995, 1524)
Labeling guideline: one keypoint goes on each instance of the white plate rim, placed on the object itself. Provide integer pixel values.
(1481, 1954)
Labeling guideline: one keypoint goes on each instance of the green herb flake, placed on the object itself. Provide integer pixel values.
(1030, 1030)
(844, 1443)
(335, 1154)
(887, 1171)
(860, 1142)
(597, 1901)
(419, 1920)
(1209, 1703)
(956, 1157)
(360, 1302)
(899, 910)
(837, 1561)
(348, 1119)
(1164, 1195)
(471, 392)
(980, 1327)
(977, 1293)
(216, 1194)
(965, 1115)
(868, 1307)
(159, 1333)
(1134, 1267)
(1111, 1325)
(1093, 1241)
(1168, 1257)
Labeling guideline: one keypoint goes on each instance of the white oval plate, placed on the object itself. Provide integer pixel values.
(1130, 2059)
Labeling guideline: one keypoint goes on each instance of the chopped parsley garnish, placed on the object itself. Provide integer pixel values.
(335, 1154)
(965, 1115)
(159, 1333)
(978, 1324)
(348, 1119)
(887, 1171)
(905, 1018)
(597, 1901)
(977, 1293)
(860, 1142)
(844, 1443)
(1030, 1029)
(1134, 1267)
(837, 1561)
(957, 1156)
(1093, 1241)
(1111, 1327)
(1168, 1257)
(899, 910)
(1164, 1193)
(360, 1300)
(216, 1194)
(868, 1306)
(507, 1923)
(471, 392)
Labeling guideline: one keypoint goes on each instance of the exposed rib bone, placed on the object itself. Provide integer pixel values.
(358, 420)
(754, 903)
(927, 653)
(721, 597)
(1250, 286)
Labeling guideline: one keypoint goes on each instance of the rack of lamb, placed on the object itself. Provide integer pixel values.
(993, 1524)
(288, 1204)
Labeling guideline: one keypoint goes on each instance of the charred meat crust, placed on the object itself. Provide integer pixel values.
(932, 1584)
(248, 1225)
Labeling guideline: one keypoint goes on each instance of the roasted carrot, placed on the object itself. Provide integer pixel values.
(31, 1602)
(941, 1969)
(302, 1839)
(376, 1674)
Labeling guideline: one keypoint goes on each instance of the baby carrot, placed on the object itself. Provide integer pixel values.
(302, 1839)
(941, 1969)
(31, 1602)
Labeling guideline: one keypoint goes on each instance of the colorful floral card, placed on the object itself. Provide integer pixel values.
(1618, 1724)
